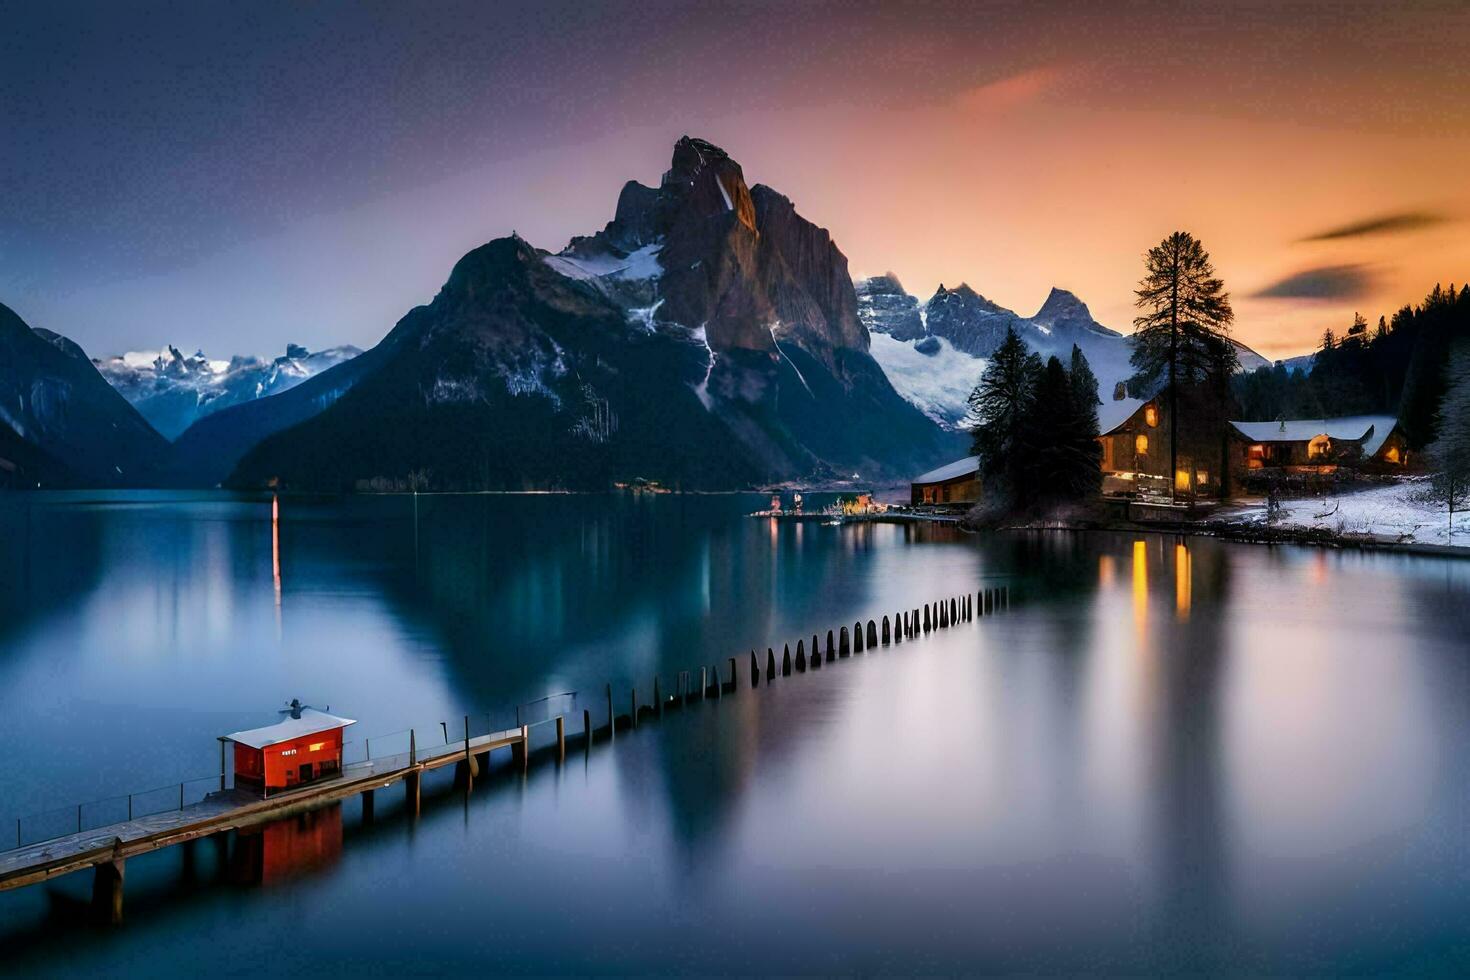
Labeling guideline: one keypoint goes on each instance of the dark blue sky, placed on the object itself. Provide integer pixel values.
(237, 175)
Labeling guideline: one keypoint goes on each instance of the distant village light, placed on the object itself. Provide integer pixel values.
(1151, 416)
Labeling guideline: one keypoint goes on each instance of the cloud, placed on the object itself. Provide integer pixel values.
(1378, 225)
(1322, 283)
(1019, 89)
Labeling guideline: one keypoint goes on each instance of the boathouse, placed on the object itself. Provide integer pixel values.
(952, 483)
(303, 746)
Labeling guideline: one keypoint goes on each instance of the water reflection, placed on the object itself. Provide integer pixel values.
(1232, 759)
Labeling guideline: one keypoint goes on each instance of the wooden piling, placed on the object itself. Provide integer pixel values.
(926, 617)
(770, 665)
(367, 806)
(857, 637)
(107, 887)
(703, 683)
(734, 677)
(658, 698)
(755, 670)
(525, 747)
(842, 643)
(801, 656)
(561, 739)
(471, 768)
(914, 624)
(873, 635)
(953, 612)
(587, 726)
(831, 647)
(411, 794)
(634, 697)
(887, 636)
(786, 661)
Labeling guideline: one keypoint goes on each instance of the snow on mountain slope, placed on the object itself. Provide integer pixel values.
(968, 327)
(937, 383)
(172, 390)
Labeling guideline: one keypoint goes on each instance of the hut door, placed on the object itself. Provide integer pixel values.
(305, 773)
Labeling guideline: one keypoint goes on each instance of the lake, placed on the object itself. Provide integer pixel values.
(1170, 755)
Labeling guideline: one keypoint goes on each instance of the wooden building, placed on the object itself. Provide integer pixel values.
(303, 746)
(952, 483)
(1322, 445)
(1134, 434)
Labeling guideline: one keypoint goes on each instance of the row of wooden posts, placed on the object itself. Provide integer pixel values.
(840, 643)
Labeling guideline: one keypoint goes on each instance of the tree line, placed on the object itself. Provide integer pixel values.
(1396, 367)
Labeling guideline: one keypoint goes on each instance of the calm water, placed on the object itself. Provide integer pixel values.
(1164, 758)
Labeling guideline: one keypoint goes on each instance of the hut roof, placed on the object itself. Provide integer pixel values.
(310, 722)
(950, 471)
(1112, 414)
(1370, 430)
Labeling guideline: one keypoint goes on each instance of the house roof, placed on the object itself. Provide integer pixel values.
(1112, 414)
(311, 722)
(1370, 430)
(949, 471)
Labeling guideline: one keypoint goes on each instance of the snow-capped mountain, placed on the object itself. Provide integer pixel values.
(958, 329)
(173, 390)
(707, 337)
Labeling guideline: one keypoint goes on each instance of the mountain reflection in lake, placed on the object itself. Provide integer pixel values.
(1171, 755)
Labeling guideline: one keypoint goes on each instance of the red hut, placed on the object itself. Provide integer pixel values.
(304, 745)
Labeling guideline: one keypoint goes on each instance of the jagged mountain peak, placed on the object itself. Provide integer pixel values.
(1062, 304)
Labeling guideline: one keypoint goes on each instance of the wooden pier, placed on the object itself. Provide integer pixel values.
(107, 848)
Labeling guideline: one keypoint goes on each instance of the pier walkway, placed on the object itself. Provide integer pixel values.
(106, 848)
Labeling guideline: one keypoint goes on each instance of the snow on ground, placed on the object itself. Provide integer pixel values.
(938, 384)
(1395, 511)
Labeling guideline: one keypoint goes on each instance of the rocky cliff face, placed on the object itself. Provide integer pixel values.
(884, 307)
(708, 336)
(64, 419)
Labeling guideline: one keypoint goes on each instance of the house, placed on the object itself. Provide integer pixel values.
(1134, 434)
(952, 483)
(303, 746)
(1322, 445)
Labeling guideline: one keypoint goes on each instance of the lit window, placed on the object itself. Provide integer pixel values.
(1140, 444)
(1151, 415)
(1392, 455)
(1181, 479)
(1203, 476)
(1257, 451)
(316, 746)
(1319, 446)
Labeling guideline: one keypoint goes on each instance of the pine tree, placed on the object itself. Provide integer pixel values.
(1084, 382)
(1059, 454)
(1449, 454)
(1183, 335)
(999, 407)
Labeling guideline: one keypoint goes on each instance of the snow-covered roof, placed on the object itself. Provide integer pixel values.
(1348, 428)
(949, 471)
(288, 728)
(1112, 414)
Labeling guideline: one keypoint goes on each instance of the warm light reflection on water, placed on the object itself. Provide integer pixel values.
(1183, 581)
(1140, 588)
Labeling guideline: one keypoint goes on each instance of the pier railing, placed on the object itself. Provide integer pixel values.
(608, 711)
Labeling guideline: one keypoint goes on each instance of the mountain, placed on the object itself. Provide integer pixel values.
(707, 337)
(172, 390)
(936, 366)
(61, 423)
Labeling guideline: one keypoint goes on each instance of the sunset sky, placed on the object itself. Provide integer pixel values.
(234, 177)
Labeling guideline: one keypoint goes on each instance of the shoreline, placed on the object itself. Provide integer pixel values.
(1250, 534)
